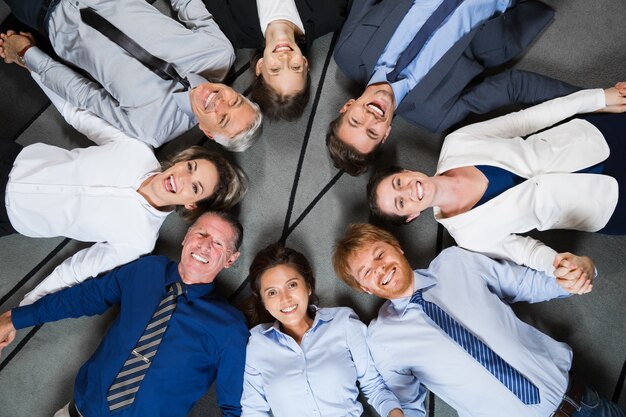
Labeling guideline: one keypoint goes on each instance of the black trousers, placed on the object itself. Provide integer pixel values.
(613, 128)
(34, 13)
(8, 153)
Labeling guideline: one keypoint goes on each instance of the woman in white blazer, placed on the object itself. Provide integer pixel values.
(116, 194)
(491, 183)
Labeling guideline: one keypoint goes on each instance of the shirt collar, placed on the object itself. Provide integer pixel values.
(380, 76)
(421, 280)
(191, 291)
(182, 97)
(321, 316)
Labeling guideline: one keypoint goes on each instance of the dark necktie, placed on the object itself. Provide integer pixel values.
(510, 377)
(122, 392)
(428, 28)
(162, 68)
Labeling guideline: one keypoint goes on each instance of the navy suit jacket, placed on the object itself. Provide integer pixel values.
(371, 25)
(239, 19)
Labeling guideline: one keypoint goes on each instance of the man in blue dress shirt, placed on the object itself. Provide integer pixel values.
(204, 340)
(437, 82)
(450, 328)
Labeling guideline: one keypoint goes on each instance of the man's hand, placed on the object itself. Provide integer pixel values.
(574, 273)
(615, 99)
(7, 331)
(11, 43)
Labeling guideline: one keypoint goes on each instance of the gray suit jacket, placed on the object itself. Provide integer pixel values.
(435, 102)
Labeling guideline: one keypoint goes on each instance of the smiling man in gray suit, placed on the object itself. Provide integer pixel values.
(422, 60)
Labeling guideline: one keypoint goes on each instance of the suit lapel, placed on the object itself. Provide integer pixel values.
(387, 19)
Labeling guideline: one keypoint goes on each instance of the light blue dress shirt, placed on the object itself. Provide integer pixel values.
(317, 378)
(409, 348)
(468, 15)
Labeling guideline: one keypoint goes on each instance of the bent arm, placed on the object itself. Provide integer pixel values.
(87, 123)
(253, 401)
(85, 264)
(534, 118)
(230, 370)
(370, 381)
(77, 90)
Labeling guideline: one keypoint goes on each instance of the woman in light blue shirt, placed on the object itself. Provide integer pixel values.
(308, 361)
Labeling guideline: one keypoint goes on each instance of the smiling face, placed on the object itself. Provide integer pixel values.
(405, 194)
(285, 296)
(283, 67)
(183, 184)
(220, 110)
(382, 270)
(208, 247)
(366, 121)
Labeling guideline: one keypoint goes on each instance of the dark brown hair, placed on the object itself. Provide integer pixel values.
(372, 197)
(346, 157)
(231, 186)
(274, 105)
(274, 255)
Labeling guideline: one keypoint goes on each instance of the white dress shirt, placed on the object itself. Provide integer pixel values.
(130, 96)
(88, 194)
(317, 378)
(551, 196)
(270, 10)
(409, 348)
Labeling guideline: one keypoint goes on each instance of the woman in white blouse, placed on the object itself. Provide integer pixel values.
(115, 194)
(492, 184)
(308, 360)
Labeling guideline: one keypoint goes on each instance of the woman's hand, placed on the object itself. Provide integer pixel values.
(396, 412)
(615, 99)
(574, 273)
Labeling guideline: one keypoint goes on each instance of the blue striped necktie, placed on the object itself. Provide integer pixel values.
(127, 382)
(517, 383)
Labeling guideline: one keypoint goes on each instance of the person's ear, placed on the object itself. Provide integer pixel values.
(345, 106)
(386, 134)
(231, 260)
(411, 217)
(365, 290)
(258, 66)
(207, 133)
(191, 206)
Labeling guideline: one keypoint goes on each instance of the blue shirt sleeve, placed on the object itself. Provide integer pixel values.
(370, 381)
(91, 297)
(511, 282)
(229, 382)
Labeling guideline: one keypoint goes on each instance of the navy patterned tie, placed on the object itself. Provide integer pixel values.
(127, 382)
(517, 383)
(423, 34)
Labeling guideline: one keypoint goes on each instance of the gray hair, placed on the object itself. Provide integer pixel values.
(248, 136)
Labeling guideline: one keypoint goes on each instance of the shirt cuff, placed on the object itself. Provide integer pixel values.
(388, 405)
(23, 317)
(35, 59)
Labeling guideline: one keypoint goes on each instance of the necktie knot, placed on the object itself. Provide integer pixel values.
(417, 297)
(177, 288)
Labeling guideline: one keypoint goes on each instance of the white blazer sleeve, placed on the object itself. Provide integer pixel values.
(538, 117)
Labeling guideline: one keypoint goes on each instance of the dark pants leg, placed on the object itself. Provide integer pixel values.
(26, 10)
(613, 128)
(8, 153)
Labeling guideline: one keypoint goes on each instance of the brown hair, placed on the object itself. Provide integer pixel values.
(346, 157)
(356, 237)
(231, 186)
(274, 255)
(372, 196)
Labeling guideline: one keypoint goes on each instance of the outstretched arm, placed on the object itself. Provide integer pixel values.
(7, 330)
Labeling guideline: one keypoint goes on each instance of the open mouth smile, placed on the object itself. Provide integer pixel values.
(419, 190)
(289, 309)
(377, 107)
(199, 258)
(170, 184)
(388, 277)
(283, 47)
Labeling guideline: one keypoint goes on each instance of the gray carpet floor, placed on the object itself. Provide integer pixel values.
(297, 195)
